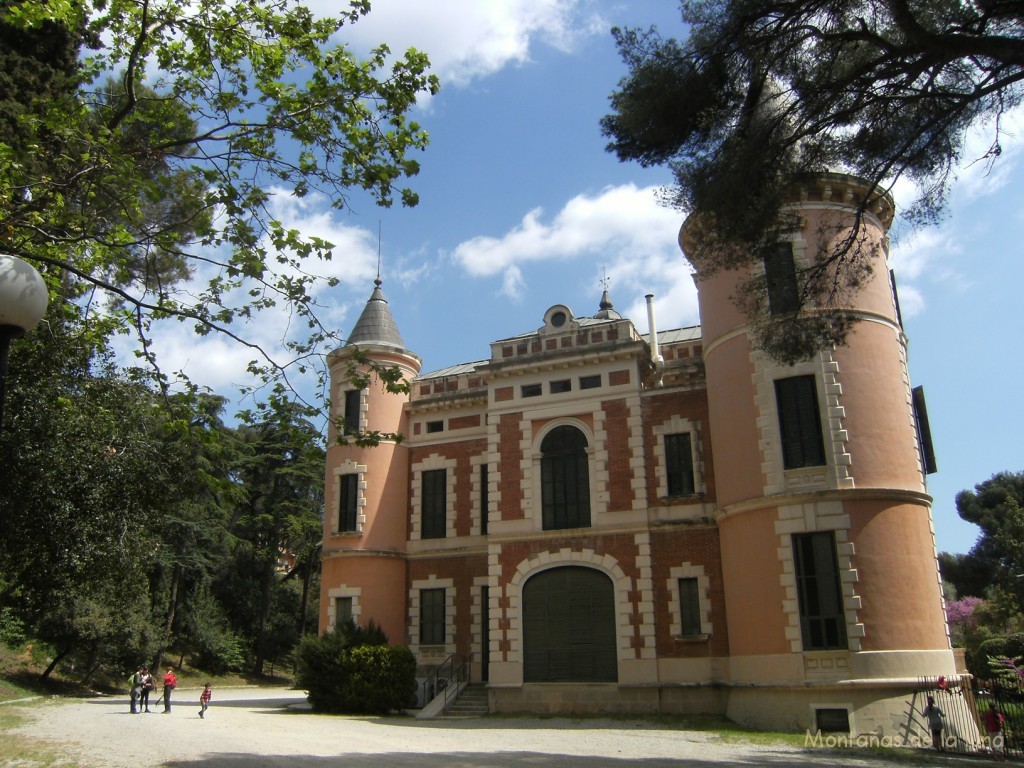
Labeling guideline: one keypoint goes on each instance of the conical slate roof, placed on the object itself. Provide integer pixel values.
(376, 325)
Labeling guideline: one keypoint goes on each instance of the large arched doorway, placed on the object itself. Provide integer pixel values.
(569, 627)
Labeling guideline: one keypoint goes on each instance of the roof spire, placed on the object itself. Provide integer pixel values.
(607, 310)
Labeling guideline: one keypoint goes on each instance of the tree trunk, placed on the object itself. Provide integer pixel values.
(94, 664)
(56, 660)
(261, 629)
(172, 605)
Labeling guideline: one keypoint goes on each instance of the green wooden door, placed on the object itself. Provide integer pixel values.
(569, 627)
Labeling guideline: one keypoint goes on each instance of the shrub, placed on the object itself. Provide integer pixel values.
(352, 670)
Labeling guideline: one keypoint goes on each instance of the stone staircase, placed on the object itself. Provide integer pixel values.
(471, 702)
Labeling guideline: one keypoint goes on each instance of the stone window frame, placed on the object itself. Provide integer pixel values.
(677, 424)
(361, 426)
(349, 467)
(343, 591)
(688, 570)
(443, 651)
(432, 462)
(535, 456)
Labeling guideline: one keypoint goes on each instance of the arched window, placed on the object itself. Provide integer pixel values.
(569, 627)
(565, 479)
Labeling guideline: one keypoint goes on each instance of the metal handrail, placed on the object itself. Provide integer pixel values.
(459, 675)
(445, 677)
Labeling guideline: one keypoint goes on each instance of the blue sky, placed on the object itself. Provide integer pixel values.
(522, 208)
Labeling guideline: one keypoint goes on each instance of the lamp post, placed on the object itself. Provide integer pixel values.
(23, 300)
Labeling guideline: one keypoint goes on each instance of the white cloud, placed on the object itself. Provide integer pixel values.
(624, 227)
(618, 220)
(470, 39)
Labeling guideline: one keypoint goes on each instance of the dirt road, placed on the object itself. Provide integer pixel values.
(267, 728)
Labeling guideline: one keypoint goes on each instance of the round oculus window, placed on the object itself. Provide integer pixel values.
(558, 319)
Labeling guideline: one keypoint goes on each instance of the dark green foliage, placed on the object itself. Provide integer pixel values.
(762, 94)
(997, 507)
(353, 670)
(970, 574)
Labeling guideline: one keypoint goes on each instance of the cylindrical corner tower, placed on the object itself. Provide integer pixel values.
(366, 489)
(832, 590)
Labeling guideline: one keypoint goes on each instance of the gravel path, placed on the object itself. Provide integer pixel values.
(270, 728)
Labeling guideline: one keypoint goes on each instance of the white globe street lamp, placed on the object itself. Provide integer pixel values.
(23, 300)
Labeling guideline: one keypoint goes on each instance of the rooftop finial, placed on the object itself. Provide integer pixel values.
(378, 281)
(607, 311)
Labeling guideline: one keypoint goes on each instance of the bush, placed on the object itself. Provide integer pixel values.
(352, 670)
(220, 652)
(1002, 646)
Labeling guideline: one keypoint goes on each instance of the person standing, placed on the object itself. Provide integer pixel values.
(994, 729)
(936, 723)
(146, 685)
(135, 688)
(170, 681)
(204, 699)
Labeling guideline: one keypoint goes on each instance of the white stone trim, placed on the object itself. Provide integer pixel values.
(645, 587)
(439, 653)
(431, 462)
(811, 518)
(636, 442)
(836, 472)
(597, 459)
(343, 591)
(349, 467)
(674, 426)
(364, 403)
(688, 570)
(544, 561)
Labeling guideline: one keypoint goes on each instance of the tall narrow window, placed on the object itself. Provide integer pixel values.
(679, 464)
(435, 504)
(353, 408)
(348, 503)
(819, 597)
(689, 606)
(432, 618)
(780, 274)
(799, 422)
(565, 479)
(342, 611)
(484, 498)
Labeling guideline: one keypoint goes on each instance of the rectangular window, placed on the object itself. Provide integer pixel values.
(432, 618)
(819, 596)
(679, 464)
(799, 422)
(435, 426)
(484, 498)
(590, 382)
(342, 611)
(531, 390)
(780, 275)
(435, 504)
(353, 408)
(562, 385)
(689, 606)
(348, 503)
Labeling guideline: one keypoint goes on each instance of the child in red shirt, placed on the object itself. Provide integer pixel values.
(204, 699)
